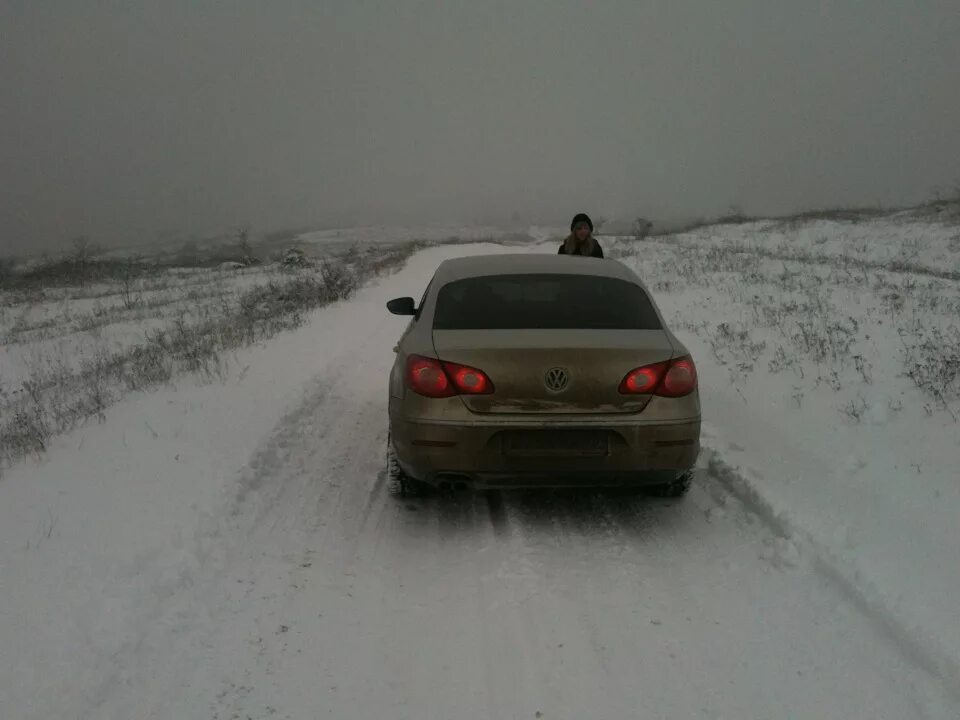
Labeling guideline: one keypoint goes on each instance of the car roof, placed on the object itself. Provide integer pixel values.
(531, 264)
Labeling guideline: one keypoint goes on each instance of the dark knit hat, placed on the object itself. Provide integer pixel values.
(581, 218)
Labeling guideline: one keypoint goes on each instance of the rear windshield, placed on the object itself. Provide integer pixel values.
(527, 302)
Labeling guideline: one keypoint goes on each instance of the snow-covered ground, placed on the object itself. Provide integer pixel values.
(67, 325)
(230, 549)
(832, 385)
(896, 241)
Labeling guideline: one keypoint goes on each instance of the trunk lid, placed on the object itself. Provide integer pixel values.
(554, 371)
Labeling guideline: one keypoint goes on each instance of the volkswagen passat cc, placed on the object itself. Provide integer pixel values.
(540, 371)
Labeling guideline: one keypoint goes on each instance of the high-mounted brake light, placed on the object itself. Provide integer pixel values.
(671, 378)
(438, 379)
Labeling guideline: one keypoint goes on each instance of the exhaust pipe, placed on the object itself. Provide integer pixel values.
(453, 482)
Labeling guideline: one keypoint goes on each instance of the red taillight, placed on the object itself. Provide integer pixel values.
(468, 380)
(425, 376)
(643, 380)
(680, 379)
(672, 378)
(436, 379)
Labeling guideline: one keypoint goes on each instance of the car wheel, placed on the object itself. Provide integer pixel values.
(677, 487)
(400, 483)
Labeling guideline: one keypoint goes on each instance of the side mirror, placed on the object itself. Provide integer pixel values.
(402, 306)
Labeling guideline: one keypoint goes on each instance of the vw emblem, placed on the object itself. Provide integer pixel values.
(556, 379)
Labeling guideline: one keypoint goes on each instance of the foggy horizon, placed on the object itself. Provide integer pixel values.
(132, 122)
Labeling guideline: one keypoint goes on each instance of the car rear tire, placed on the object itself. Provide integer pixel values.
(677, 487)
(400, 483)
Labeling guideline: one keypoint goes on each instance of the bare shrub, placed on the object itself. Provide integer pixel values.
(855, 409)
(782, 361)
(150, 364)
(932, 360)
(339, 280)
(127, 296)
(733, 345)
(823, 341)
(392, 258)
(22, 433)
(294, 258)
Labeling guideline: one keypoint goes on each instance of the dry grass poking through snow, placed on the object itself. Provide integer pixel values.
(72, 349)
(849, 307)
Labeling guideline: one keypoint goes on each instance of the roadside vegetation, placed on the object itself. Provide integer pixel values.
(820, 303)
(80, 332)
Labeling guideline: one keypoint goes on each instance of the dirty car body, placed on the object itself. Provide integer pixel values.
(540, 371)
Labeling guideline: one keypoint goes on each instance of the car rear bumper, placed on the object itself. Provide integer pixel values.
(481, 454)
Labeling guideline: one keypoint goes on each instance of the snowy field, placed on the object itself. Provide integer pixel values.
(226, 546)
(831, 385)
(65, 325)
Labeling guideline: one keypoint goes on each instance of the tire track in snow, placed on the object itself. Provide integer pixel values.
(855, 589)
(555, 536)
(377, 492)
(276, 496)
(206, 593)
(496, 512)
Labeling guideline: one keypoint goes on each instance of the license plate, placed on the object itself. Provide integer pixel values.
(556, 442)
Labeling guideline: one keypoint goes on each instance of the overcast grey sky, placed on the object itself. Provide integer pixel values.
(126, 119)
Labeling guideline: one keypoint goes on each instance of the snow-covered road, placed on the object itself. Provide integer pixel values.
(295, 585)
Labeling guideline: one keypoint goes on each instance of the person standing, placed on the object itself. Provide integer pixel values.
(581, 241)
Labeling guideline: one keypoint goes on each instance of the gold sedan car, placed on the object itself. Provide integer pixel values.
(540, 371)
